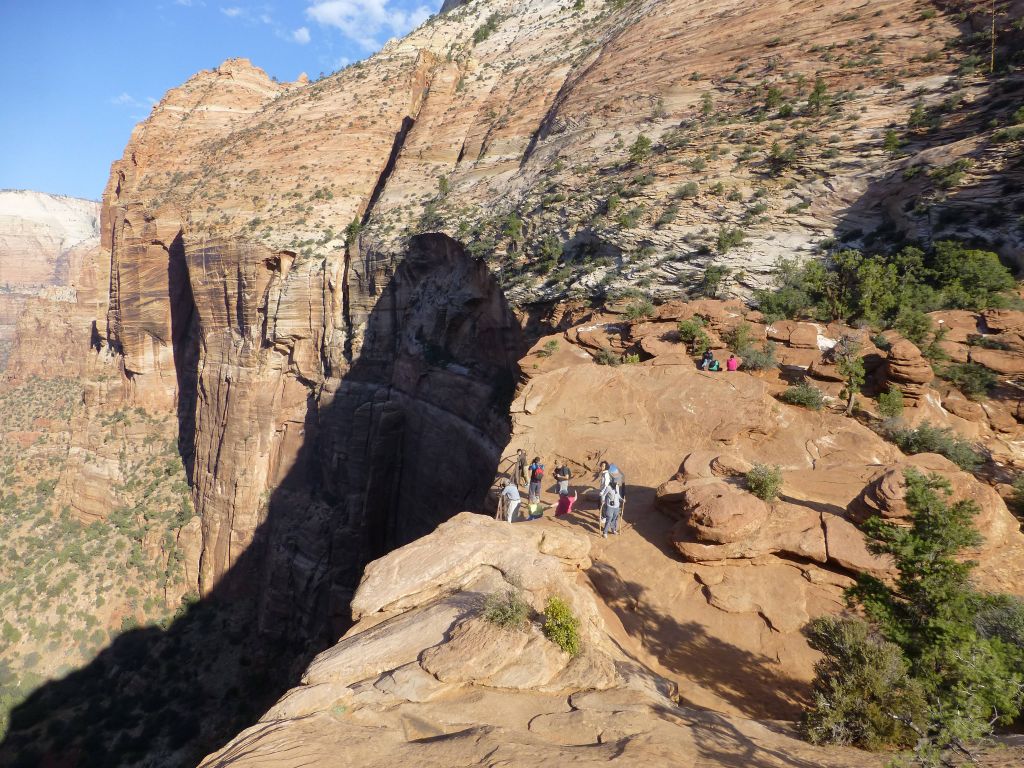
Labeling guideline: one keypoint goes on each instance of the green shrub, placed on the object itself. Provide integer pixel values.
(942, 440)
(728, 238)
(890, 404)
(487, 28)
(631, 359)
(914, 324)
(507, 609)
(805, 395)
(951, 635)
(691, 333)
(560, 626)
(759, 359)
(859, 682)
(712, 279)
(605, 356)
(549, 348)
(687, 191)
(740, 337)
(640, 149)
(764, 481)
(972, 379)
(640, 310)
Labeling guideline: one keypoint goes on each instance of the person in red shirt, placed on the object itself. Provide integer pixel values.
(565, 502)
(732, 363)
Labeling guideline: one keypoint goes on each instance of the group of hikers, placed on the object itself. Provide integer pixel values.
(709, 363)
(612, 487)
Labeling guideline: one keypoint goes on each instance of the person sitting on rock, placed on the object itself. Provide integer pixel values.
(562, 474)
(705, 361)
(512, 500)
(732, 364)
(714, 365)
(536, 478)
(565, 502)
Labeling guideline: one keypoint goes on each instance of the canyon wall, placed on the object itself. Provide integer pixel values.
(44, 242)
(254, 226)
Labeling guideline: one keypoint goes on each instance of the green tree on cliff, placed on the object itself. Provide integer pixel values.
(960, 667)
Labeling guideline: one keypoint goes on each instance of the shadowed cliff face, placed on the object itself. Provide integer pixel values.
(402, 439)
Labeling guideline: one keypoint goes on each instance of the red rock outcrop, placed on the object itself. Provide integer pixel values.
(907, 370)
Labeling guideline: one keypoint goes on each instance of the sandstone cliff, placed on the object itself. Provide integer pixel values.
(43, 239)
(252, 225)
(336, 383)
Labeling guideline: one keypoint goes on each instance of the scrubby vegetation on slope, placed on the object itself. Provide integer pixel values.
(936, 664)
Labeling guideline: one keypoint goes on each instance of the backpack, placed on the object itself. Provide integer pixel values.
(538, 472)
(616, 476)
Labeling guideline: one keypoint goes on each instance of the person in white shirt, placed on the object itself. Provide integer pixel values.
(512, 500)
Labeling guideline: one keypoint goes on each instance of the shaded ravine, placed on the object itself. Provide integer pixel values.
(410, 436)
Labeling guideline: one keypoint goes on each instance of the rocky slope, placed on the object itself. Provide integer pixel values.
(253, 225)
(337, 383)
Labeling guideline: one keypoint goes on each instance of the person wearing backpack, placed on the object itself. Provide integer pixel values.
(612, 504)
(563, 475)
(536, 478)
(616, 475)
(511, 499)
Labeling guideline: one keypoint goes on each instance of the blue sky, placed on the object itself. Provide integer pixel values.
(77, 75)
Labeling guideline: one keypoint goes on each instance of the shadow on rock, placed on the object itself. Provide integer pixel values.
(407, 437)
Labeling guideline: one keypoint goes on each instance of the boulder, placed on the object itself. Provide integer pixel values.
(1002, 361)
(885, 495)
(804, 336)
(847, 548)
(908, 371)
(719, 513)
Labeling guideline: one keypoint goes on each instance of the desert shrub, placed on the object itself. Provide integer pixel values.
(728, 238)
(506, 609)
(640, 149)
(1016, 501)
(850, 365)
(914, 324)
(927, 438)
(759, 359)
(739, 337)
(560, 625)
(713, 276)
(890, 404)
(764, 481)
(972, 379)
(631, 359)
(692, 333)
(549, 348)
(687, 190)
(948, 632)
(605, 356)
(640, 310)
(487, 28)
(860, 681)
(803, 394)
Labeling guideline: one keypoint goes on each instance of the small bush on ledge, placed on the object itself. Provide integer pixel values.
(508, 609)
(560, 626)
(805, 395)
(764, 481)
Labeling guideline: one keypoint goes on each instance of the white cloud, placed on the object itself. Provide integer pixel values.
(232, 12)
(125, 99)
(189, 3)
(365, 20)
(301, 35)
